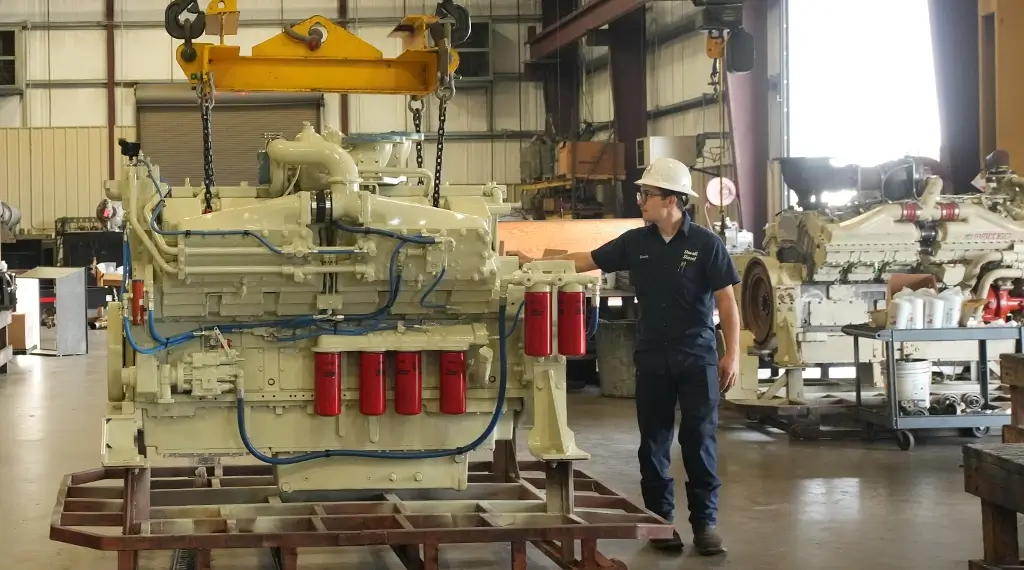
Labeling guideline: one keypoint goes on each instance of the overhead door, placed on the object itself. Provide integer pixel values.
(170, 130)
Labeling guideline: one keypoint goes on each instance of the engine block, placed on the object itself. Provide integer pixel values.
(331, 322)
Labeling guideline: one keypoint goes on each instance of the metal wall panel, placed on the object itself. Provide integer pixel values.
(170, 130)
(477, 162)
(678, 71)
(54, 172)
(596, 101)
(53, 10)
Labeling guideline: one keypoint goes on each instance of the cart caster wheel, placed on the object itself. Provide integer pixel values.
(753, 417)
(869, 433)
(803, 432)
(905, 440)
(978, 431)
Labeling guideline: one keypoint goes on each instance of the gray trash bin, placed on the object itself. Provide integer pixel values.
(615, 342)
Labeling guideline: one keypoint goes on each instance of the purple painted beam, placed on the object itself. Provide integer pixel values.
(562, 78)
(574, 26)
(628, 58)
(747, 100)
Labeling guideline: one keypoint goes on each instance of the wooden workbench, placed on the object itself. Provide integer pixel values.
(994, 472)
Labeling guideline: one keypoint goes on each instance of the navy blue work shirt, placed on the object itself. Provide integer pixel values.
(675, 282)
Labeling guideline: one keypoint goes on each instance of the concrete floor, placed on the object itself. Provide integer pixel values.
(792, 505)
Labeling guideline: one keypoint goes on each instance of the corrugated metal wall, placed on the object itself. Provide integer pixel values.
(54, 172)
(677, 70)
(65, 71)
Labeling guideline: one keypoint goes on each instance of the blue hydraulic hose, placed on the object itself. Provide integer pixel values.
(500, 404)
(160, 206)
(437, 281)
(421, 240)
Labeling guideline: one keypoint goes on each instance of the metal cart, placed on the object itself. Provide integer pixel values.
(903, 424)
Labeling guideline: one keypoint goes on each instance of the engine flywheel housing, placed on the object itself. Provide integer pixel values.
(757, 303)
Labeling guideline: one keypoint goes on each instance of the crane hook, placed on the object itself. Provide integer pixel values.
(462, 25)
(189, 29)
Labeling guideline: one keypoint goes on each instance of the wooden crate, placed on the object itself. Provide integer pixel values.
(1011, 373)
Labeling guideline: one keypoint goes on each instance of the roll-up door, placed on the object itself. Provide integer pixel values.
(170, 129)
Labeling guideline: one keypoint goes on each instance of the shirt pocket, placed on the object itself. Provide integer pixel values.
(688, 280)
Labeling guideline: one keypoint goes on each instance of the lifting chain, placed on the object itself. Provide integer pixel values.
(444, 95)
(205, 91)
(416, 106)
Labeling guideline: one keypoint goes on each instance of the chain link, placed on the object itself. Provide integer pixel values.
(417, 123)
(444, 95)
(205, 91)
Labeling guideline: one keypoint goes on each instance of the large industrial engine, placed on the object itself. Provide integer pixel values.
(10, 217)
(331, 321)
(827, 265)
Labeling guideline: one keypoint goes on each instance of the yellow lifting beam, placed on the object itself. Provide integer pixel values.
(313, 55)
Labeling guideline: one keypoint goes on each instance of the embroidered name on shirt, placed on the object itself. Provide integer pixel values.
(687, 257)
(644, 256)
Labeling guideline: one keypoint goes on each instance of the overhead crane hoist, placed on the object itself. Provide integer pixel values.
(319, 55)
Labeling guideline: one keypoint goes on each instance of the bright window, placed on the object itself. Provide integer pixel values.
(862, 80)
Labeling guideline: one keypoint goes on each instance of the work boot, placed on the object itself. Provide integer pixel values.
(675, 543)
(707, 541)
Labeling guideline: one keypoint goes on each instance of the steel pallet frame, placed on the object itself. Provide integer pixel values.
(548, 504)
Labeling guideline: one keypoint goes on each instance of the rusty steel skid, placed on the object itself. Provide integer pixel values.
(211, 508)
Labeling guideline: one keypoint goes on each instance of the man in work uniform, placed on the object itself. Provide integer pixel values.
(681, 272)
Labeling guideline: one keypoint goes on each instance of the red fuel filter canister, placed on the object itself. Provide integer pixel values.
(453, 383)
(372, 390)
(138, 296)
(572, 326)
(327, 384)
(537, 323)
(408, 383)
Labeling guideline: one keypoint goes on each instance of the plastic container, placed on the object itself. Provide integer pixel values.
(934, 310)
(916, 318)
(913, 380)
(899, 314)
(953, 301)
(616, 372)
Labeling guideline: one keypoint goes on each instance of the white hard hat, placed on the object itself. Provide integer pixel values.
(668, 174)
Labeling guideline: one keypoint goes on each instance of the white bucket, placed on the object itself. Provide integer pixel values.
(913, 379)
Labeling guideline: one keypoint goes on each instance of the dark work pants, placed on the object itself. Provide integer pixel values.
(695, 389)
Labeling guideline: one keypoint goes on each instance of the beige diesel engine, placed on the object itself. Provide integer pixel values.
(826, 266)
(332, 322)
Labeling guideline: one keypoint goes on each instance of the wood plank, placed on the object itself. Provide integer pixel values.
(1011, 369)
(1013, 434)
(994, 484)
(532, 237)
(999, 532)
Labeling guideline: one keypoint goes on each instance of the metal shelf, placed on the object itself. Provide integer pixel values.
(890, 417)
(935, 335)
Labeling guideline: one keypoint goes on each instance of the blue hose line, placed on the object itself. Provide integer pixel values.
(160, 206)
(592, 327)
(496, 416)
(437, 281)
(421, 240)
(515, 319)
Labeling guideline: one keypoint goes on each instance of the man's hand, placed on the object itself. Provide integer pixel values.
(523, 258)
(728, 372)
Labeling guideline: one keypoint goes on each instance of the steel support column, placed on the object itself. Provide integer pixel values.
(111, 92)
(343, 103)
(747, 100)
(628, 54)
(575, 24)
(562, 77)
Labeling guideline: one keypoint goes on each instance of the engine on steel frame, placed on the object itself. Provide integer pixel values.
(826, 266)
(332, 322)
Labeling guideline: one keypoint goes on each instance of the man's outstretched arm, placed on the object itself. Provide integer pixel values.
(583, 260)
